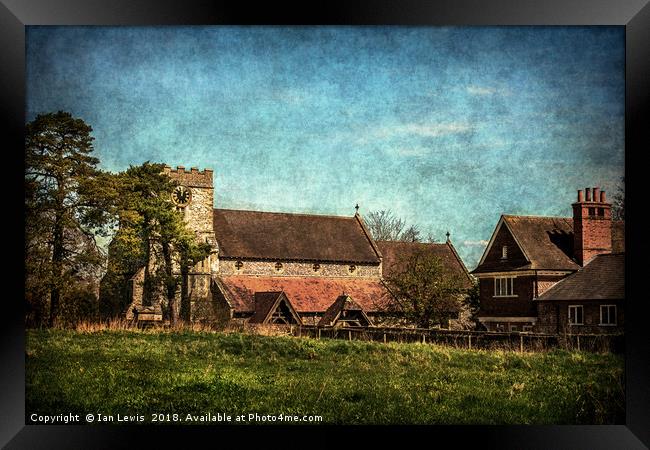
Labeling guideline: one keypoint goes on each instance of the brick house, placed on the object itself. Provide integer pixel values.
(527, 255)
(588, 301)
(270, 267)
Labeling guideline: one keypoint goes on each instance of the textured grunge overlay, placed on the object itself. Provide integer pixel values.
(446, 126)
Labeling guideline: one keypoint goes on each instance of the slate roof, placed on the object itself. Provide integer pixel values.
(342, 303)
(292, 237)
(395, 253)
(306, 294)
(601, 279)
(548, 242)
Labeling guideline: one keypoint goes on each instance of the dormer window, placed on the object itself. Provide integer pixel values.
(504, 252)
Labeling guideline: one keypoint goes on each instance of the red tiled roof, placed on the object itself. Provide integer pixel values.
(395, 253)
(282, 236)
(306, 294)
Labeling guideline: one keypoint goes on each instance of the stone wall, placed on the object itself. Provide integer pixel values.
(305, 269)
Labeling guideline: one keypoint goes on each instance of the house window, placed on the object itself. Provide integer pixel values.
(514, 327)
(504, 287)
(504, 252)
(527, 328)
(608, 314)
(576, 315)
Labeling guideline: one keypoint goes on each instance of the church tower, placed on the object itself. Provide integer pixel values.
(194, 197)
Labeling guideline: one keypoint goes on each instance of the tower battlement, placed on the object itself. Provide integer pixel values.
(190, 178)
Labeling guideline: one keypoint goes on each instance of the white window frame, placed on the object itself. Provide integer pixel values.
(509, 292)
(582, 315)
(610, 323)
(526, 328)
(514, 327)
(499, 327)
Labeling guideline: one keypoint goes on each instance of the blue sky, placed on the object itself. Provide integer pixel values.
(448, 127)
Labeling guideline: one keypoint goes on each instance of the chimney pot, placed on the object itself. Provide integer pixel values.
(596, 194)
(587, 194)
(603, 199)
(180, 168)
(580, 197)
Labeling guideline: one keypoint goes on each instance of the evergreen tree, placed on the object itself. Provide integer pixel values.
(152, 234)
(66, 205)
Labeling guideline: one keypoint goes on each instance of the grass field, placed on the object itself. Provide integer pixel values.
(146, 373)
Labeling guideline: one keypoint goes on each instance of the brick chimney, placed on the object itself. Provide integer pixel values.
(592, 225)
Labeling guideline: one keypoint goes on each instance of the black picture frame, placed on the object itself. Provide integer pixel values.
(633, 15)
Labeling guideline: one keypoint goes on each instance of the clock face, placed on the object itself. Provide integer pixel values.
(181, 196)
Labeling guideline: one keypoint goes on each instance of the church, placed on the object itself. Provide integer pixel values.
(283, 268)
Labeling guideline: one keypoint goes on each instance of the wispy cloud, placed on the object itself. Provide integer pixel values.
(409, 130)
(481, 243)
(424, 130)
(486, 90)
(411, 151)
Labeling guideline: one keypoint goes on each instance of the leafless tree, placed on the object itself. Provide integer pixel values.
(385, 226)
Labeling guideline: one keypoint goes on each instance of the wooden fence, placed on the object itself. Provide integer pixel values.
(514, 341)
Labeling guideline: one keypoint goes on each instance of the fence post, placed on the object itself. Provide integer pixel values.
(521, 343)
(578, 339)
(349, 335)
(424, 338)
(470, 341)
(384, 337)
(319, 333)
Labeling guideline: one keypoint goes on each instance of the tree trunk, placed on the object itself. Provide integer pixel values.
(170, 284)
(185, 300)
(57, 270)
(146, 288)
